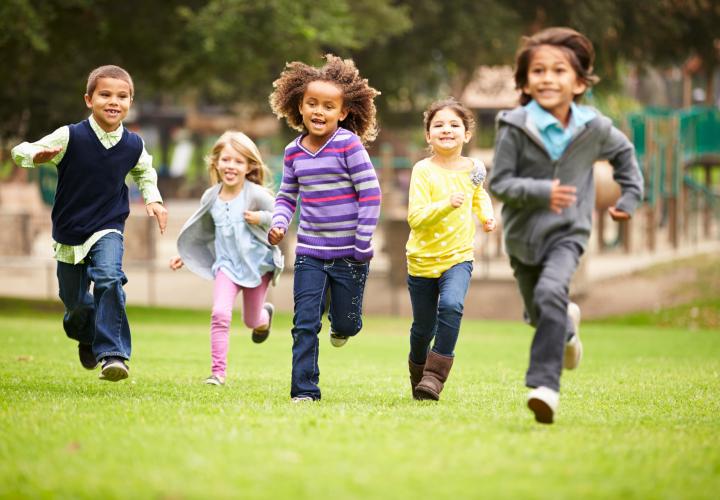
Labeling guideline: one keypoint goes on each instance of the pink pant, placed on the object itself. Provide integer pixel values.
(254, 314)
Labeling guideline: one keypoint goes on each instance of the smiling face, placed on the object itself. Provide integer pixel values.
(322, 109)
(232, 167)
(552, 81)
(446, 132)
(110, 102)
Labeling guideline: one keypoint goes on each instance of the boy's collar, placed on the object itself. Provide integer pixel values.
(100, 132)
(579, 115)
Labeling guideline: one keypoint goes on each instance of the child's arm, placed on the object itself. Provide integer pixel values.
(482, 206)
(285, 204)
(367, 187)
(422, 210)
(145, 177)
(262, 216)
(620, 152)
(49, 149)
(504, 182)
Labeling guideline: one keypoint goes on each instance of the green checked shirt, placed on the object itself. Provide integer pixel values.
(143, 174)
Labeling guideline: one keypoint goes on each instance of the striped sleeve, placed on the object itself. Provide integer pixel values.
(286, 199)
(367, 187)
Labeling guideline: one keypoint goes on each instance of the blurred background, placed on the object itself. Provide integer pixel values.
(202, 67)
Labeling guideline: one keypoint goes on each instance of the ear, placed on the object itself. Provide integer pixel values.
(343, 114)
(579, 87)
(88, 101)
(427, 137)
(468, 135)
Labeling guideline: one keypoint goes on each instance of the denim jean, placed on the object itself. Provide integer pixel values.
(545, 292)
(98, 318)
(437, 305)
(344, 279)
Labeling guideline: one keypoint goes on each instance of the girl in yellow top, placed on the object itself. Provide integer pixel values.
(446, 189)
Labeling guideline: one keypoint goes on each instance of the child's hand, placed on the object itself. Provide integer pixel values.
(252, 217)
(46, 155)
(561, 196)
(489, 225)
(276, 235)
(618, 215)
(176, 263)
(457, 199)
(158, 211)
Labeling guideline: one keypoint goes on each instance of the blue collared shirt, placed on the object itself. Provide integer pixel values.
(553, 135)
(239, 254)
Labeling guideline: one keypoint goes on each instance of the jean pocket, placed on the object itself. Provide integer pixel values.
(354, 262)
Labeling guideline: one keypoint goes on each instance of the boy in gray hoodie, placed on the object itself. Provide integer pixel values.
(543, 173)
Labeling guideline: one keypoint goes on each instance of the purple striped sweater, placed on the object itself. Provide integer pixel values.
(339, 198)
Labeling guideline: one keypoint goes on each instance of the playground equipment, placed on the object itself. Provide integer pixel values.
(679, 155)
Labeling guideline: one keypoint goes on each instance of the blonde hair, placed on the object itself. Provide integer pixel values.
(258, 172)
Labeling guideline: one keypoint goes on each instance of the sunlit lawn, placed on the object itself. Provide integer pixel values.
(639, 419)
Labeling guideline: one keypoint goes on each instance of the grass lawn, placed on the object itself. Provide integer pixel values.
(640, 418)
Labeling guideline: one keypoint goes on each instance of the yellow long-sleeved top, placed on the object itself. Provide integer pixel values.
(440, 235)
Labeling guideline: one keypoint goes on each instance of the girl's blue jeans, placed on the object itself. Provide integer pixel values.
(97, 318)
(344, 280)
(437, 305)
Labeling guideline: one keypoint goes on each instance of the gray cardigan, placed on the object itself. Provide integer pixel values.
(196, 241)
(522, 178)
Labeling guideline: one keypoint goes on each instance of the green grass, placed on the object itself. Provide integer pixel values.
(638, 419)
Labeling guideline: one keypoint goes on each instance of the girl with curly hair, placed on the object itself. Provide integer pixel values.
(329, 170)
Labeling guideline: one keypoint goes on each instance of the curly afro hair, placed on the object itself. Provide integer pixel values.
(358, 96)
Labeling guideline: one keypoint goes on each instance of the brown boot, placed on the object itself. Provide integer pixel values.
(437, 369)
(416, 373)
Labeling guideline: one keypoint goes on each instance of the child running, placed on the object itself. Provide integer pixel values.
(543, 173)
(93, 158)
(225, 240)
(329, 170)
(446, 189)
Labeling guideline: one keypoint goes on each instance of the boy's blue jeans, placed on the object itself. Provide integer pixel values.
(345, 280)
(98, 318)
(545, 292)
(437, 305)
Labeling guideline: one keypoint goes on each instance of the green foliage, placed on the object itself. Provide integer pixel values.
(638, 419)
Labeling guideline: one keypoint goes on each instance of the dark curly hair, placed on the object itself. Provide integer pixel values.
(358, 96)
(576, 46)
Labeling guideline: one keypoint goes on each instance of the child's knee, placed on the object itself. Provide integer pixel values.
(450, 306)
(347, 326)
(221, 317)
(550, 293)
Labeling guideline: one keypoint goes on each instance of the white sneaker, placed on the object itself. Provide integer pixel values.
(215, 380)
(543, 402)
(302, 399)
(338, 340)
(573, 347)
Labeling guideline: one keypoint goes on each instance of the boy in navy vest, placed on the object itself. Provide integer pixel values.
(93, 158)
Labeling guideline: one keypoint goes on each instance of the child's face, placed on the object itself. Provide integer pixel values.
(446, 132)
(322, 108)
(552, 81)
(232, 166)
(109, 102)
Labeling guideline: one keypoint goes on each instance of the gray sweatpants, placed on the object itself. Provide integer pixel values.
(544, 289)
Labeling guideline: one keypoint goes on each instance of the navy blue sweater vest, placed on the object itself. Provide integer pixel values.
(91, 193)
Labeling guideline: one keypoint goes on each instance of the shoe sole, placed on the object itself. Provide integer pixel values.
(338, 342)
(573, 355)
(424, 394)
(113, 373)
(543, 413)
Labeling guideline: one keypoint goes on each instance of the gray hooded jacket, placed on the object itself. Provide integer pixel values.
(522, 177)
(196, 241)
